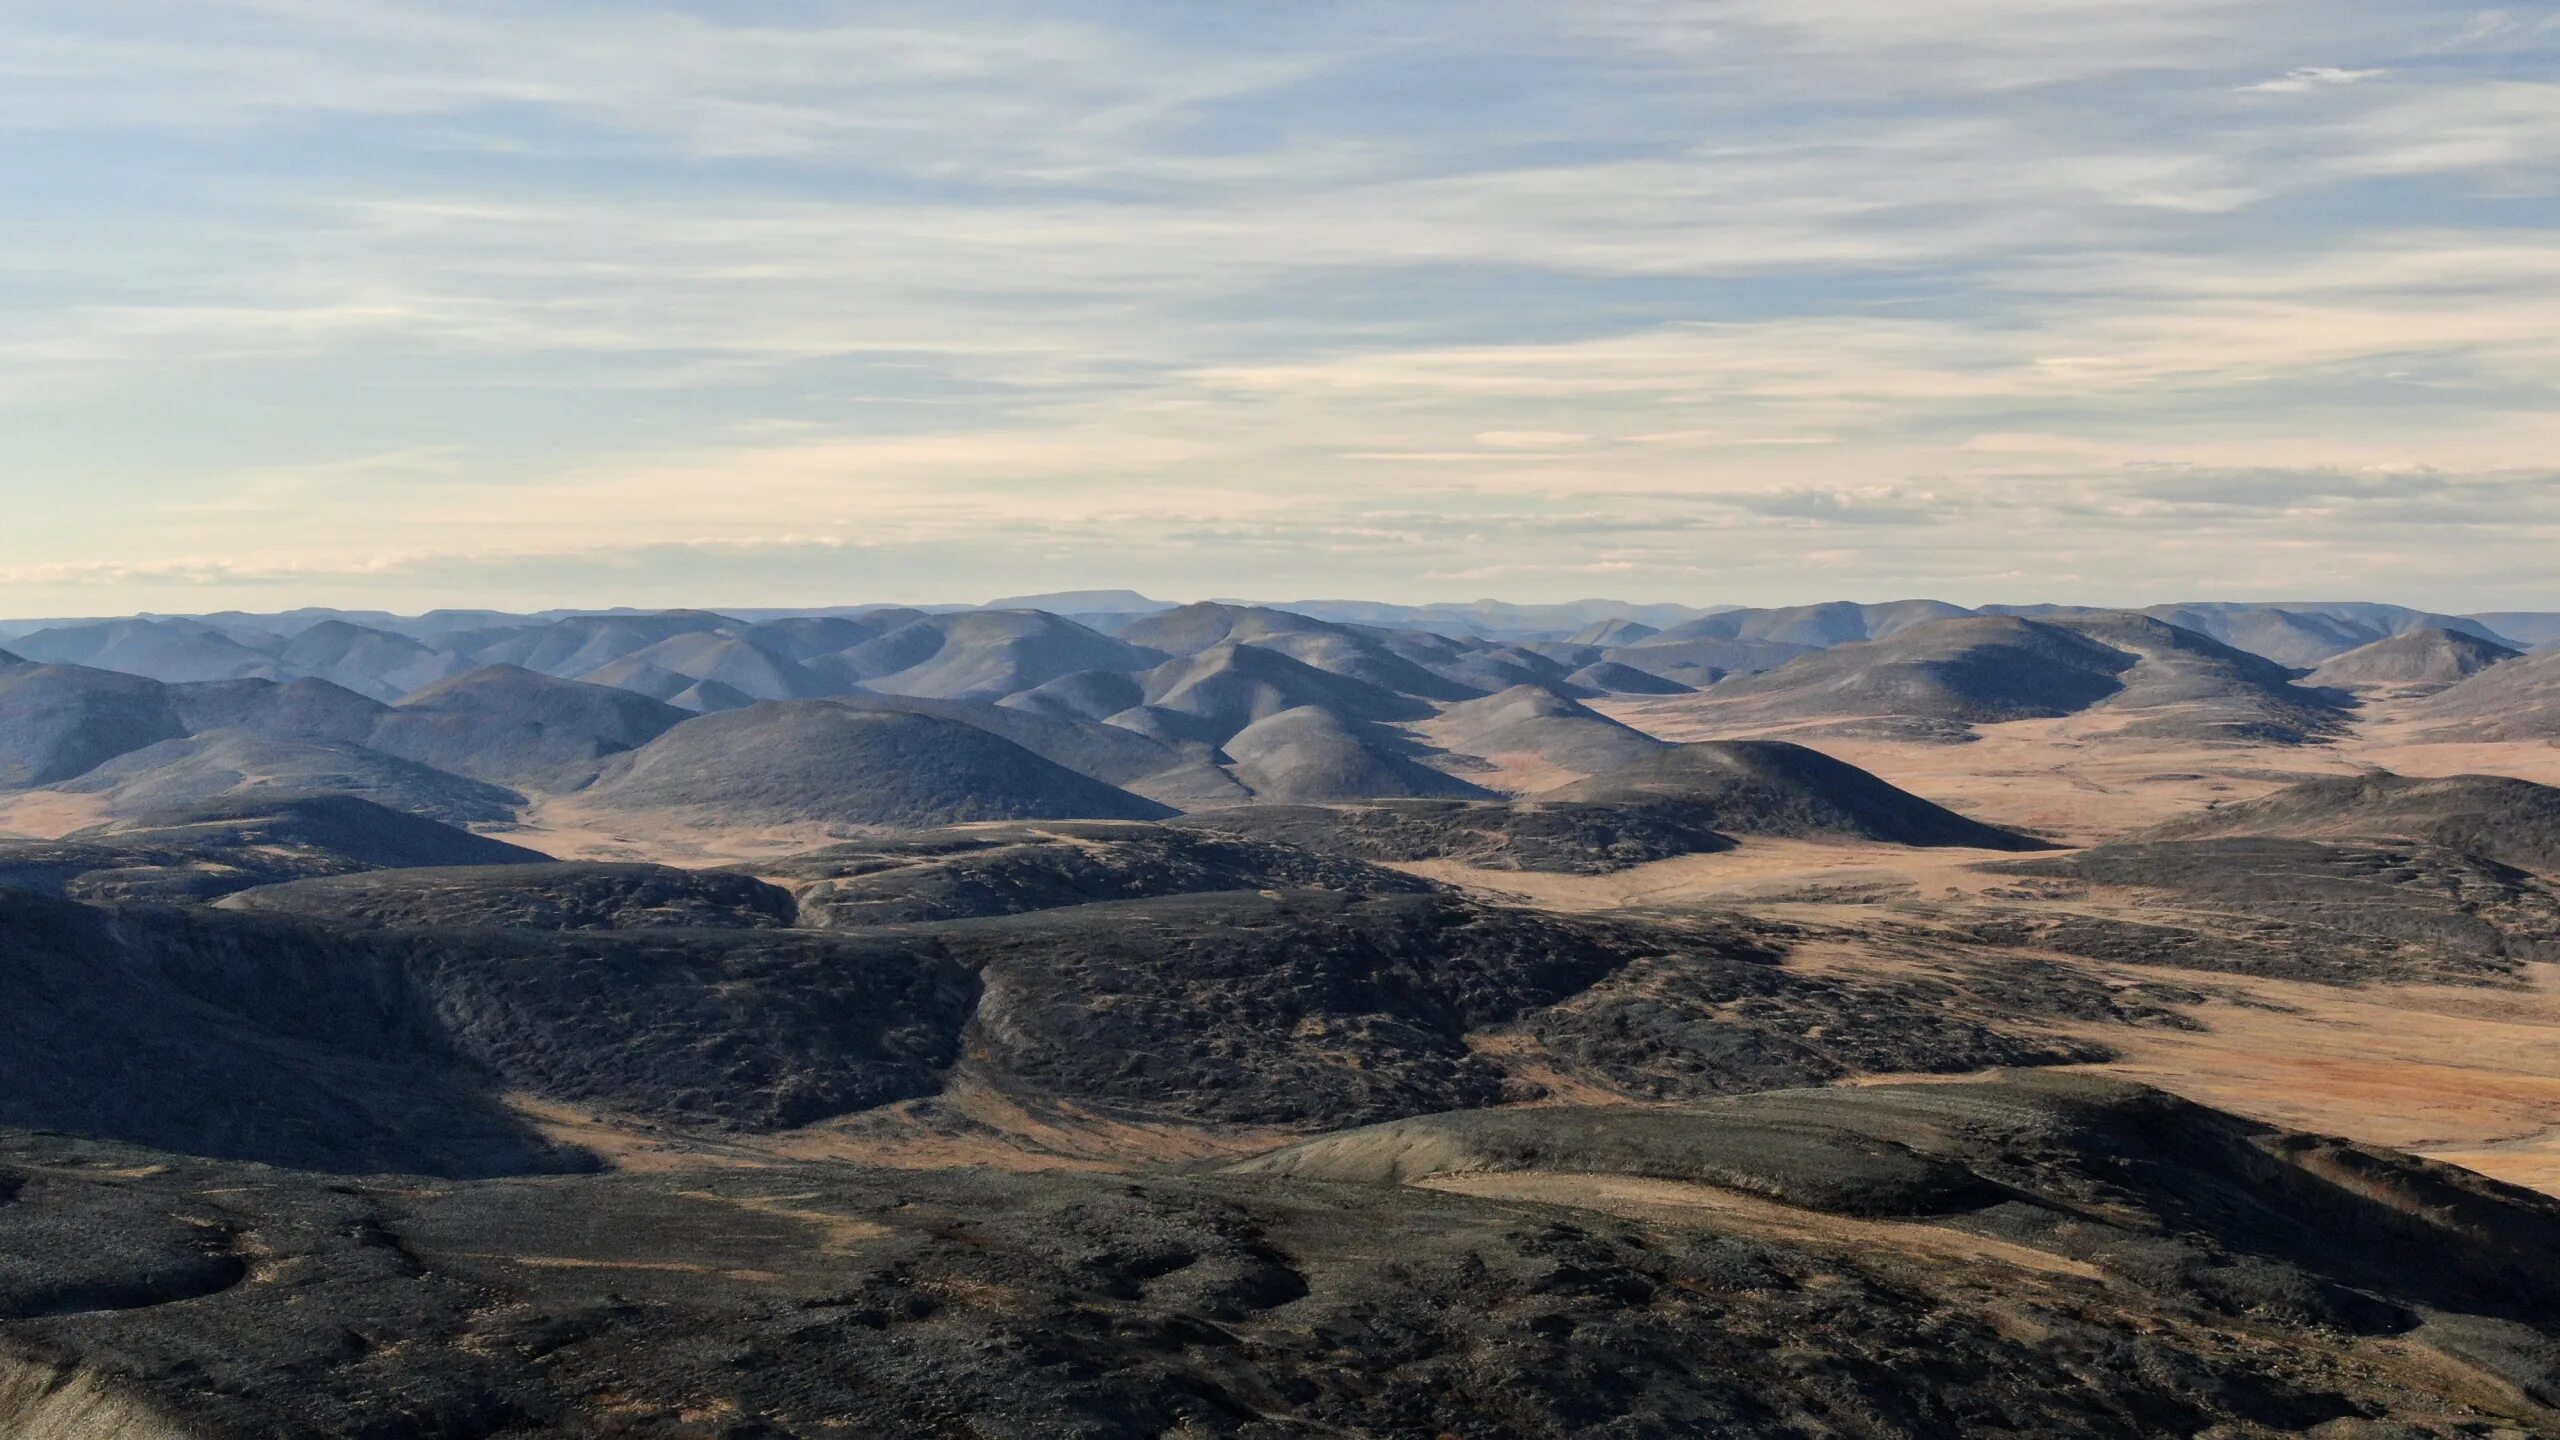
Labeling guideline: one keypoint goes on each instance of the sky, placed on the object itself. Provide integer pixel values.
(790, 302)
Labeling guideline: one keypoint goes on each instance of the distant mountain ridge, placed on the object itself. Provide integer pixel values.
(2298, 627)
(475, 715)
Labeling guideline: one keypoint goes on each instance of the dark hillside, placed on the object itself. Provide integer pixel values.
(814, 760)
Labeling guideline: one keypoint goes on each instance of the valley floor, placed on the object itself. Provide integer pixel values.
(2459, 1073)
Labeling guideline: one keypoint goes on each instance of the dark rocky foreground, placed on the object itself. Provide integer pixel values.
(308, 1040)
(1219, 1128)
(1551, 836)
(984, 870)
(560, 896)
(203, 852)
(2006, 1259)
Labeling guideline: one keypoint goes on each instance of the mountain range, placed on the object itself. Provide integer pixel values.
(475, 716)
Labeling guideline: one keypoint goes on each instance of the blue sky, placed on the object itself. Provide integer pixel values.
(1756, 301)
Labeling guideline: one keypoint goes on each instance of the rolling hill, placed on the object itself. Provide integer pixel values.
(370, 662)
(818, 761)
(1614, 677)
(679, 662)
(2518, 700)
(982, 655)
(1605, 633)
(2411, 662)
(1084, 695)
(577, 644)
(1310, 756)
(1212, 694)
(2310, 634)
(1696, 661)
(1176, 774)
(2151, 677)
(170, 650)
(215, 766)
(58, 721)
(2189, 686)
(292, 710)
(1976, 670)
(1772, 788)
(2528, 629)
(1534, 735)
(2515, 822)
(1816, 627)
(510, 726)
(1352, 652)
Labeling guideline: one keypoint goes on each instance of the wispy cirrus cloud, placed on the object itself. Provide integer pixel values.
(1010, 291)
(2303, 79)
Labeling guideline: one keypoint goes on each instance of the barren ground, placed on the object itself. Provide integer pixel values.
(2466, 1075)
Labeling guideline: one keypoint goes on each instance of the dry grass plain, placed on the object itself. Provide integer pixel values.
(2464, 1074)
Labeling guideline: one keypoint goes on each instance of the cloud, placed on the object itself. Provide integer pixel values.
(1961, 47)
(1531, 439)
(1004, 291)
(1882, 505)
(2190, 530)
(2505, 132)
(1019, 88)
(2307, 78)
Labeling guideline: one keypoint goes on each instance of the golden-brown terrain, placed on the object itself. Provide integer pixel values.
(2461, 1073)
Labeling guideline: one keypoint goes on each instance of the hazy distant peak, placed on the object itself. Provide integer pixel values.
(1084, 602)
